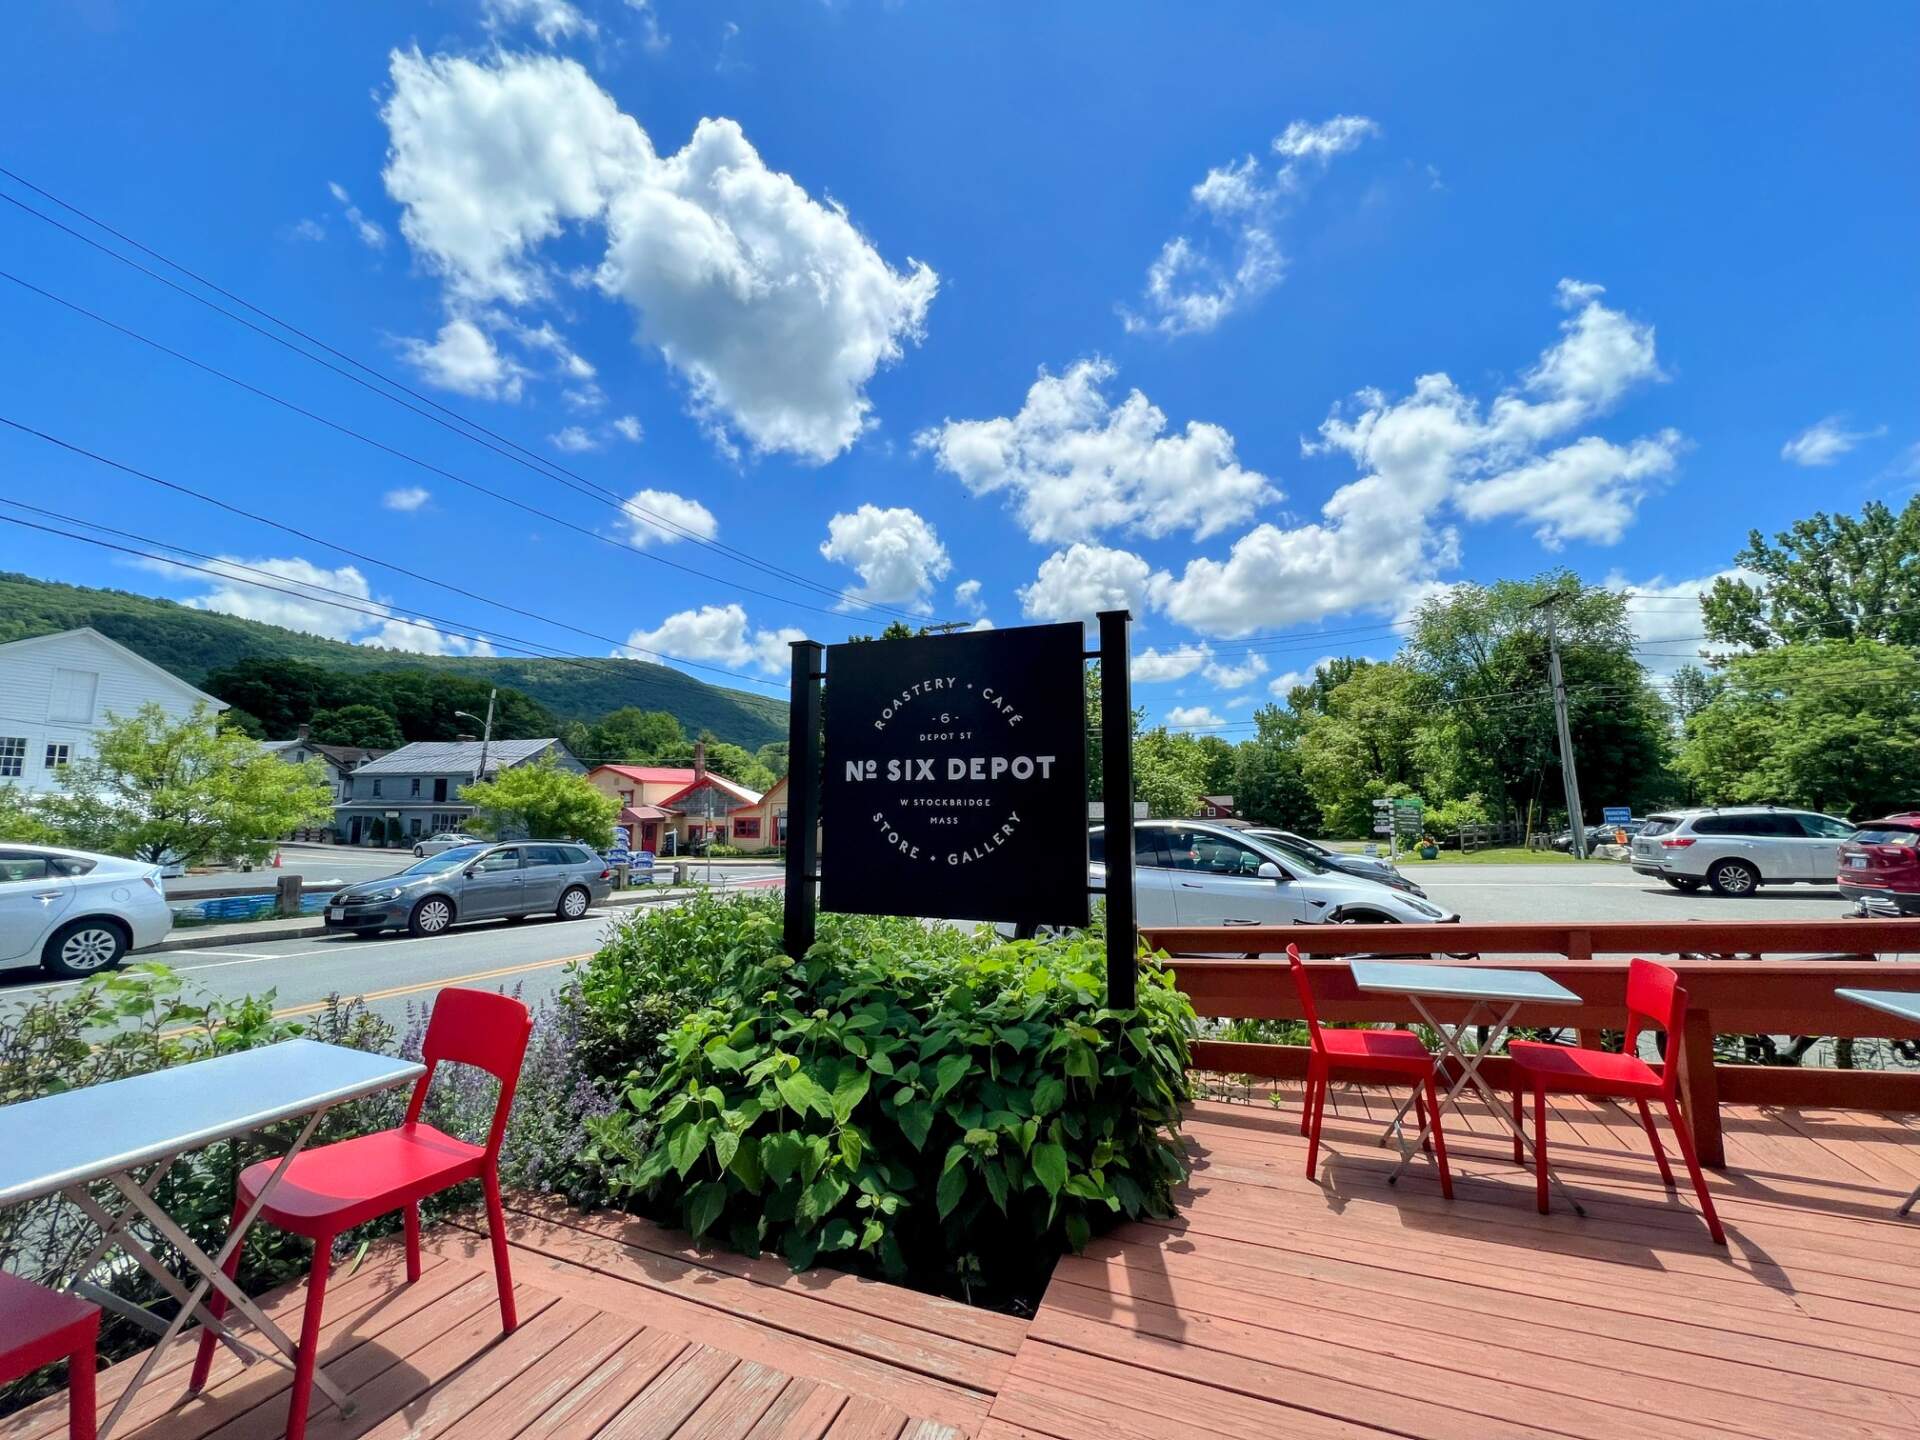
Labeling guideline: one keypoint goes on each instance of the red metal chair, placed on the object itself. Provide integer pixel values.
(39, 1326)
(1365, 1055)
(1654, 999)
(332, 1188)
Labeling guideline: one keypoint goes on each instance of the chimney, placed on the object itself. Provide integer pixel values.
(302, 734)
(699, 761)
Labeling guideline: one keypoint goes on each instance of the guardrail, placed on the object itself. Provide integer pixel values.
(1240, 972)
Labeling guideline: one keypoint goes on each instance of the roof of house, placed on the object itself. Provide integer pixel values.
(345, 756)
(137, 660)
(651, 774)
(1219, 802)
(430, 757)
(719, 782)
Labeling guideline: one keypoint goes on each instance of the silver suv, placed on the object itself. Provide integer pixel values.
(1737, 849)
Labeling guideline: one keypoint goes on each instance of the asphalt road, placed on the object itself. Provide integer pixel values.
(394, 970)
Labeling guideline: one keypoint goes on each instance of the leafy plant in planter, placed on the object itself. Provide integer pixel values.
(938, 1106)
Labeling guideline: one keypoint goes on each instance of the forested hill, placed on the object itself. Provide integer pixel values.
(190, 643)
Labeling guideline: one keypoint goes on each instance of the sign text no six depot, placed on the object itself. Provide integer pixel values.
(950, 773)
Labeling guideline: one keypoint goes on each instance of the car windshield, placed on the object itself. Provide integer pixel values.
(445, 860)
(1292, 855)
(1659, 825)
(1886, 835)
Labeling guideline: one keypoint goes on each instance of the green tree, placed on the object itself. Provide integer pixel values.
(1832, 725)
(20, 818)
(285, 694)
(738, 765)
(542, 801)
(774, 757)
(1169, 772)
(1268, 786)
(1830, 577)
(365, 725)
(1489, 723)
(193, 789)
(632, 736)
(1366, 742)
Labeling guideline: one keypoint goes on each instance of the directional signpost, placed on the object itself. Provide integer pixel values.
(1403, 815)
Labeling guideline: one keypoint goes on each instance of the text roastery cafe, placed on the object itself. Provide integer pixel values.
(955, 778)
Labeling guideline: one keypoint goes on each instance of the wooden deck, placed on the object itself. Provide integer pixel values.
(1274, 1306)
(1277, 1306)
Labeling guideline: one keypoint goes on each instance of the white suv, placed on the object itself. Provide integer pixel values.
(1737, 849)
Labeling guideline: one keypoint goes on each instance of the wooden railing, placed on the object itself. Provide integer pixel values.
(1738, 992)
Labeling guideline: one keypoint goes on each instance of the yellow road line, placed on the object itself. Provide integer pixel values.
(293, 1011)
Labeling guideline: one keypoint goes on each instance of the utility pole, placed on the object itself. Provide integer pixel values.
(1576, 826)
(699, 775)
(486, 733)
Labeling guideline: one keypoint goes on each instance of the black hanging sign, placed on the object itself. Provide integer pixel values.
(955, 777)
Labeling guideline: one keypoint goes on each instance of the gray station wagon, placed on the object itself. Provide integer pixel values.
(514, 879)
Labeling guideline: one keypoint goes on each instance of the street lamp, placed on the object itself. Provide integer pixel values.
(486, 733)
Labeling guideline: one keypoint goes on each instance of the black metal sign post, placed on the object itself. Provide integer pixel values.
(803, 797)
(1116, 793)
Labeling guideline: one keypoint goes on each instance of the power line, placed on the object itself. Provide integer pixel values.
(547, 469)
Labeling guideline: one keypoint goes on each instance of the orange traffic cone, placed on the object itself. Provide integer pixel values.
(276, 859)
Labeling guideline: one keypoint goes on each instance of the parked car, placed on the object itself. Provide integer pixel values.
(1600, 835)
(1188, 872)
(445, 840)
(76, 913)
(1376, 868)
(476, 882)
(1880, 865)
(1737, 849)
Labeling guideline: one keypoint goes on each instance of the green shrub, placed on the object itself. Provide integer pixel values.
(658, 965)
(929, 1103)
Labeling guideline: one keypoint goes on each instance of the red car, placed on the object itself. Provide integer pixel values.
(1880, 865)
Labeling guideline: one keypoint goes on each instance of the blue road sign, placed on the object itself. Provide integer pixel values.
(1616, 814)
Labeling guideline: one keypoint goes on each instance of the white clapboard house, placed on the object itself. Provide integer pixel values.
(57, 692)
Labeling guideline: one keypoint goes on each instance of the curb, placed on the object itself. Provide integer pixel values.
(219, 937)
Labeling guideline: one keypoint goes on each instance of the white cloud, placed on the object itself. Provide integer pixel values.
(1588, 490)
(1385, 535)
(1193, 717)
(1825, 442)
(1665, 616)
(425, 638)
(1203, 275)
(1080, 581)
(463, 359)
(771, 305)
(1076, 464)
(371, 235)
(896, 554)
(551, 20)
(1154, 667)
(572, 440)
(1280, 686)
(1303, 139)
(303, 596)
(1240, 702)
(406, 499)
(629, 428)
(664, 516)
(720, 635)
(652, 37)
(1235, 677)
(967, 596)
(568, 363)
(308, 229)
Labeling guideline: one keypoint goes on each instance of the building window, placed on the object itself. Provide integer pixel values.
(13, 756)
(747, 828)
(415, 783)
(376, 789)
(72, 697)
(58, 756)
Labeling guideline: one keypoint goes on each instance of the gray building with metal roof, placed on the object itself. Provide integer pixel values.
(413, 792)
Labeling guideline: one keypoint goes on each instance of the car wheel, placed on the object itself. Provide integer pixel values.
(1688, 883)
(83, 948)
(1365, 917)
(1733, 877)
(420, 851)
(431, 916)
(574, 903)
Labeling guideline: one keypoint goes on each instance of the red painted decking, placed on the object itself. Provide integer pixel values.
(1272, 1307)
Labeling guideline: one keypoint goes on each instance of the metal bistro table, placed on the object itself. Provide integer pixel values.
(1905, 1005)
(1486, 990)
(62, 1144)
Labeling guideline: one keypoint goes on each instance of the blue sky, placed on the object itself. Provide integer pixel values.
(1265, 321)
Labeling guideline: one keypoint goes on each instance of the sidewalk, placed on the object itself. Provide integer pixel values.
(259, 932)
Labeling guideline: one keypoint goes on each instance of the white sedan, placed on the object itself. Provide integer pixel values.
(74, 913)
(445, 840)
(1187, 872)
